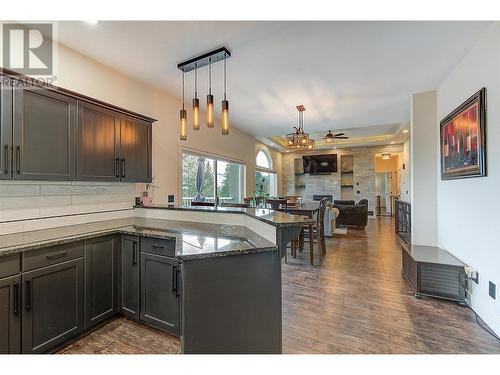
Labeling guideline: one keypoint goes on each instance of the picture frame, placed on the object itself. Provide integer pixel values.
(463, 139)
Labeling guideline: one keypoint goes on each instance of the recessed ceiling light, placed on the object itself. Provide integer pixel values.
(91, 22)
(392, 142)
(405, 131)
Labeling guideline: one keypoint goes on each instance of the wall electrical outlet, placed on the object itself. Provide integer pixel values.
(493, 290)
(171, 198)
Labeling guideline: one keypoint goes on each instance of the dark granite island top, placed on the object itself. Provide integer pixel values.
(193, 240)
(275, 218)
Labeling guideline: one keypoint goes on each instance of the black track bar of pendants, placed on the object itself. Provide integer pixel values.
(214, 56)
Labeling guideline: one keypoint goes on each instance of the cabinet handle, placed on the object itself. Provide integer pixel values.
(28, 295)
(18, 159)
(134, 253)
(177, 287)
(117, 167)
(6, 159)
(123, 168)
(174, 280)
(57, 255)
(16, 298)
(157, 247)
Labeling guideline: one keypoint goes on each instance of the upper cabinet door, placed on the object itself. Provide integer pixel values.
(5, 131)
(44, 135)
(135, 150)
(98, 143)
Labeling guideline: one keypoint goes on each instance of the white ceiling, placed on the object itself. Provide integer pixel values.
(347, 74)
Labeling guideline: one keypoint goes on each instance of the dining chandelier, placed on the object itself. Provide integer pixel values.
(299, 139)
(209, 58)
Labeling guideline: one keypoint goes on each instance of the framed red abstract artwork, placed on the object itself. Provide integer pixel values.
(463, 139)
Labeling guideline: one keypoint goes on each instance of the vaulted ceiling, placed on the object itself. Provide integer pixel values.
(349, 75)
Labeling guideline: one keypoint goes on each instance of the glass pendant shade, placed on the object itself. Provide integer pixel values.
(183, 117)
(196, 114)
(210, 111)
(225, 117)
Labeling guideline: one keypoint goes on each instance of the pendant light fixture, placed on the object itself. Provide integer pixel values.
(210, 98)
(196, 101)
(225, 107)
(299, 139)
(183, 115)
(193, 64)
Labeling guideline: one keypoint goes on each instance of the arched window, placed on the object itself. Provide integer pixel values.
(264, 160)
(265, 177)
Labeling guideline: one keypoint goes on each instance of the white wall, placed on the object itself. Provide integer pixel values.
(423, 169)
(468, 209)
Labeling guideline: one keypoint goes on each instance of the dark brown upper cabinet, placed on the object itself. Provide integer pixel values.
(5, 130)
(135, 150)
(43, 135)
(98, 143)
(50, 133)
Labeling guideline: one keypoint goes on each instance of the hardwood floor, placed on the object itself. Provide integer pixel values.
(358, 302)
(355, 302)
(123, 336)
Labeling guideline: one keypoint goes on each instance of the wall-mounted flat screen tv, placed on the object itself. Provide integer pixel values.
(320, 163)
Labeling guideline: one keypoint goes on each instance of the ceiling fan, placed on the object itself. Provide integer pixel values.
(330, 137)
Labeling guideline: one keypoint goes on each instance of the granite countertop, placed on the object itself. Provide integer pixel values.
(431, 254)
(193, 240)
(276, 218)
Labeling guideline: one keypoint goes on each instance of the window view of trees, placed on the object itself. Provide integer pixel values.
(227, 176)
(189, 173)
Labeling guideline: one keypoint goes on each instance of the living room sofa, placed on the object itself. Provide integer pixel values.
(352, 213)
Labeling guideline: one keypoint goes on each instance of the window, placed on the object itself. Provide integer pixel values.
(204, 179)
(265, 177)
(263, 160)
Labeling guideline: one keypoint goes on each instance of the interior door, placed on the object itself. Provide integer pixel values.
(98, 143)
(135, 149)
(5, 131)
(44, 135)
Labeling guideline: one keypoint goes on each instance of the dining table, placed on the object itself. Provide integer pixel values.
(308, 209)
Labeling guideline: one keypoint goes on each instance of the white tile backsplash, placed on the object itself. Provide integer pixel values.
(22, 200)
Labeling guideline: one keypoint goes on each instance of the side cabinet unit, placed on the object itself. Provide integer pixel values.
(160, 291)
(44, 135)
(5, 130)
(101, 279)
(98, 143)
(52, 305)
(10, 315)
(129, 277)
(10, 304)
(432, 271)
(135, 150)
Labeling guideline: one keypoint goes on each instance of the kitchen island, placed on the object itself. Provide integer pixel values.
(216, 285)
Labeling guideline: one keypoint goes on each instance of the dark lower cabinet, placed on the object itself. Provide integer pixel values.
(10, 315)
(160, 291)
(129, 277)
(52, 312)
(101, 279)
